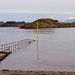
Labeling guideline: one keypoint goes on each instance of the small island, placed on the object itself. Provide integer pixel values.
(11, 24)
(47, 23)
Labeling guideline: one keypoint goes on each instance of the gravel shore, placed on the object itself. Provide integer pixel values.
(18, 72)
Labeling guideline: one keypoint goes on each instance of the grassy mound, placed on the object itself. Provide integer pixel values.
(45, 23)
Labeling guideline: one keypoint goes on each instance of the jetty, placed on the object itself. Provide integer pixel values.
(8, 48)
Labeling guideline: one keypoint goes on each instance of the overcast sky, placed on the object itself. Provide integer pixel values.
(37, 6)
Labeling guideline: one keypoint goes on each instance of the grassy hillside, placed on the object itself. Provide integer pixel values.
(45, 23)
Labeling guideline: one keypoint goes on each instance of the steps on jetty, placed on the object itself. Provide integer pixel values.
(3, 54)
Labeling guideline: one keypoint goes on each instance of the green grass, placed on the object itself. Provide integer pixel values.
(45, 23)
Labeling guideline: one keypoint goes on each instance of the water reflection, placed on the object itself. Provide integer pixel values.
(40, 30)
(18, 47)
(37, 51)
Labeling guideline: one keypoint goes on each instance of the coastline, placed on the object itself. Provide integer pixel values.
(42, 27)
(19, 72)
(35, 27)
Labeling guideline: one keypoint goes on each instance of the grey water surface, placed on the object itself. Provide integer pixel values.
(56, 49)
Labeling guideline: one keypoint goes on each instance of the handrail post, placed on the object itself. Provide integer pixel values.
(2, 47)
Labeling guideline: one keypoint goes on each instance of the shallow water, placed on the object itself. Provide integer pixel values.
(56, 49)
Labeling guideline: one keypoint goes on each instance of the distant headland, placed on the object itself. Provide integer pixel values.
(11, 24)
(42, 23)
(47, 23)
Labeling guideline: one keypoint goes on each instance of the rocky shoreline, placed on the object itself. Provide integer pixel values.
(19, 72)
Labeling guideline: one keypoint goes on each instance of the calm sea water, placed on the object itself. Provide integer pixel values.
(56, 49)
